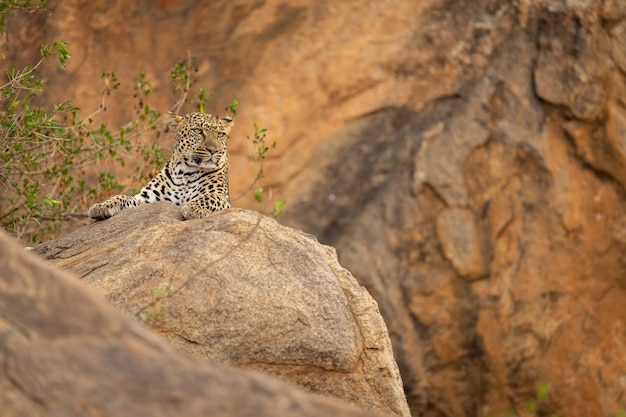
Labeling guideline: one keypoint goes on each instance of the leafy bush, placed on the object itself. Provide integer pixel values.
(45, 152)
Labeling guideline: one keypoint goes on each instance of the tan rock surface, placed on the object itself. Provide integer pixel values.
(238, 288)
(460, 242)
(388, 114)
(66, 353)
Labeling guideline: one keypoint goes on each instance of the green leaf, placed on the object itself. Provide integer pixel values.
(279, 205)
(51, 202)
(542, 391)
(62, 53)
(233, 107)
(258, 194)
(45, 50)
(278, 208)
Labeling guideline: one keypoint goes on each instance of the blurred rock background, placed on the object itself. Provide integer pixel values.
(465, 157)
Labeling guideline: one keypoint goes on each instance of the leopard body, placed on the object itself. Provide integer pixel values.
(195, 177)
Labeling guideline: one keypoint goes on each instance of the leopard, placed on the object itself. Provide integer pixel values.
(195, 177)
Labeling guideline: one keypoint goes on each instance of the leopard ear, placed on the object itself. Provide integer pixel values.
(228, 121)
(176, 118)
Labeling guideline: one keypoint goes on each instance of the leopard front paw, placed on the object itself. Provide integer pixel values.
(111, 206)
(189, 212)
(101, 211)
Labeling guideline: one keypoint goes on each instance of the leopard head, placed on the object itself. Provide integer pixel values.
(201, 140)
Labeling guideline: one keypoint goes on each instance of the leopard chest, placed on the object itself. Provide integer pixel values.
(183, 185)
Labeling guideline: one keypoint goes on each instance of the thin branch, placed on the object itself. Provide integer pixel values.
(20, 75)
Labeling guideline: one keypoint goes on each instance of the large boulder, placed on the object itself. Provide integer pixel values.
(65, 352)
(240, 289)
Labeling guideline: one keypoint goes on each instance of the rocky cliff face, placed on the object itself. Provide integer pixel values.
(466, 158)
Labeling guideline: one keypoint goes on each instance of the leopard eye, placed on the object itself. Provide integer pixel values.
(198, 131)
(221, 135)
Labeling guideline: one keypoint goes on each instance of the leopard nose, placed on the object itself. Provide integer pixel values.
(211, 149)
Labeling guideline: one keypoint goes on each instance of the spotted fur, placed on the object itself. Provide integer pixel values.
(195, 177)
